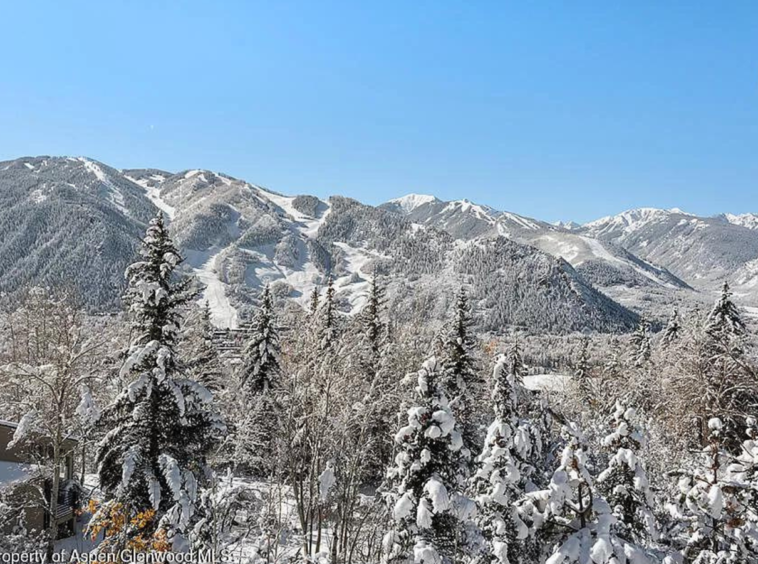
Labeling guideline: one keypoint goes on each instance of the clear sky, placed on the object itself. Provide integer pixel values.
(557, 110)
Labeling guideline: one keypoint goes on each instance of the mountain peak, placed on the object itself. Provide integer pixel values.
(410, 202)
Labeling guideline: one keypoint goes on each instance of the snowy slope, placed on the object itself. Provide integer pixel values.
(703, 251)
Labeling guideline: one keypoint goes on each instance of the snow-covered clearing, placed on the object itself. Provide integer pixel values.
(547, 382)
(153, 194)
(223, 314)
(114, 192)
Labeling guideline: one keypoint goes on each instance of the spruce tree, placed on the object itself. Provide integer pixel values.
(372, 330)
(261, 369)
(261, 387)
(503, 472)
(582, 372)
(313, 302)
(203, 362)
(159, 429)
(673, 331)
(713, 509)
(743, 473)
(326, 320)
(730, 390)
(460, 371)
(641, 350)
(427, 482)
(624, 482)
(612, 367)
(573, 519)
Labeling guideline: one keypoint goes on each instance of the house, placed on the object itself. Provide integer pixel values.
(26, 476)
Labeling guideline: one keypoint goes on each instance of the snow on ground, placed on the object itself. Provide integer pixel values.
(153, 194)
(410, 202)
(547, 382)
(577, 249)
(223, 314)
(37, 196)
(30, 166)
(356, 260)
(114, 192)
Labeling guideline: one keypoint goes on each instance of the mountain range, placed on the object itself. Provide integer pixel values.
(76, 221)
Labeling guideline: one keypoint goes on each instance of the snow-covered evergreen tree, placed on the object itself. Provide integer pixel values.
(743, 474)
(612, 367)
(372, 330)
(572, 518)
(730, 390)
(503, 472)
(260, 381)
(724, 318)
(261, 369)
(313, 302)
(716, 520)
(159, 429)
(624, 482)
(641, 350)
(460, 371)
(582, 372)
(428, 506)
(326, 319)
(673, 331)
(202, 359)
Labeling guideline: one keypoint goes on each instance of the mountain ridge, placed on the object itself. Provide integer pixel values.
(237, 236)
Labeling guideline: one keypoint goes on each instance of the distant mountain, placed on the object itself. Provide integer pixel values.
(607, 266)
(704, 251)
(66, 221)
(79, 221)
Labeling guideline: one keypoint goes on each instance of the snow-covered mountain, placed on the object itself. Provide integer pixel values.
(79, 221)
(749, 220)
(609, 267)
(704, 251)
(66, 221)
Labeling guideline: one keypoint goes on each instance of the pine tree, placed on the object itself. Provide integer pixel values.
(574, 518)
(673, 331)
(159, 429)
(372, 330)
(582, 372)
(713, 509)
(624, 482)
(460, 372)
(326, 328)
(612, 368)
(313, 302)
(730, 391)
(427, 481)
(724, 317)
(503, 472)
(641, 350)
(261, 387)
(743, 474)
(516, 362)
(203, 362)
(262, 368)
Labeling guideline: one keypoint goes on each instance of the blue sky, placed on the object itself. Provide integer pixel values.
(559, 110)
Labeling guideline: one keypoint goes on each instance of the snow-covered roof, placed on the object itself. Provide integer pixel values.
(14, 472)
(8, 424)
(546, 382)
